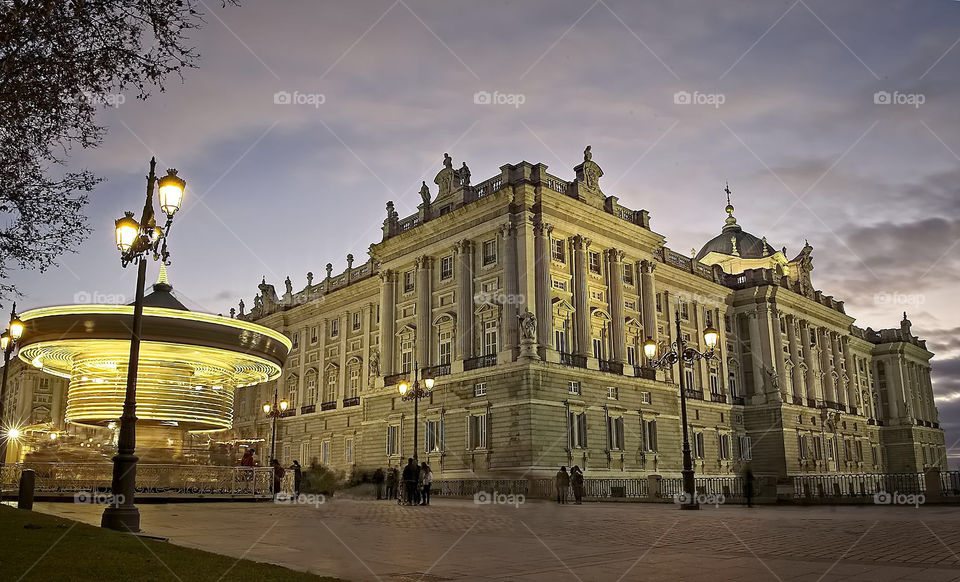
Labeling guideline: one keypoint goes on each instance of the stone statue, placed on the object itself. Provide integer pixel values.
(447, 161)
(233, 313)
(374, 362)
(289, 285)
(774, 377)
(310, 279)
(425, 194)
(444, 179)
(528, 326)
(257, 302)
(589, 173)
(587, 154)
(242, 307)
(464, 174)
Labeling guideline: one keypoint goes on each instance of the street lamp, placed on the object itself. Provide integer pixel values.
(415, 393)
(137, 242)
(680, 351)
(275, 411)
(7, 343)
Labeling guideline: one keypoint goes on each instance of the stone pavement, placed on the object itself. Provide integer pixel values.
(541, 541)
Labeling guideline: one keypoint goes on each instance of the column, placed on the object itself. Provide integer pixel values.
(581, 296)
(345, 325)
(794, 353)
(511, 324)
(424, 323)
(823, 339)
(544, 309)
(778, 358)
(526, 267)
(811, 380)
(841, 387)
(618, 340)
(756, 353)
(853, 377)
(464, 252)
(388, 321)
(648, 299)
(366, 324)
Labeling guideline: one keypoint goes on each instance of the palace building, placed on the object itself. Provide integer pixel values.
(528, 298)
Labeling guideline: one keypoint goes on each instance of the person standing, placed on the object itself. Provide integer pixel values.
(411, 477)
(378, 479)
(247, 462)
(391, 483)
(426, 479)
(563, 482)
(278, 473)
(748, 484)
(297, 475)
(576, 481)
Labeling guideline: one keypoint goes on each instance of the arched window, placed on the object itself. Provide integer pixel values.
(330, 388)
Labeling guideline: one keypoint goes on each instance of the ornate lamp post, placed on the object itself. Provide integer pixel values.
(415, 393)
(275, 411)
(7, 343)
(680, 351)
(137, 242)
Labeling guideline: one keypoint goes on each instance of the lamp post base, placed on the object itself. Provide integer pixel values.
(122, 513)
(124, 518)
(689, 486)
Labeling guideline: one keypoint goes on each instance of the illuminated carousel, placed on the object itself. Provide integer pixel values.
(189, 367)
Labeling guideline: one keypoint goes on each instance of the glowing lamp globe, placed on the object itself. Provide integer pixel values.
(128, 229)
(650, 348)
(171, 189)
(710, 337)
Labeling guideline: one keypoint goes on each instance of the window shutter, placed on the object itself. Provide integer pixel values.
(653, 434)
(487, 430)
(583, 429)
(620, 439)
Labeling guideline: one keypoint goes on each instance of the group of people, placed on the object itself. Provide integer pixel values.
(412, 487)
(572, 480)
(249, 460)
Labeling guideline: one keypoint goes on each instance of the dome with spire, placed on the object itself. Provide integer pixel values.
(733, 241)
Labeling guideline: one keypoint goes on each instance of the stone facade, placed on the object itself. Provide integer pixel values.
(528, 298)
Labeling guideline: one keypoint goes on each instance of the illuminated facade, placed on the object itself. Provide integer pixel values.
(528, 297)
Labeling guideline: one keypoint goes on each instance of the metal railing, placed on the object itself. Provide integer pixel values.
(573, 360)
(436, 371)
(152, 479)
(480, 362)
(353, 401)
(611, 366)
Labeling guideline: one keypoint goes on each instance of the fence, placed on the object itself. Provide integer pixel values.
(152, 480)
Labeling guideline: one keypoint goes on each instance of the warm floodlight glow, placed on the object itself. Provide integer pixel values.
(284, 405)
(171, 192)
(428, 382)
(4, 341)
(403, 387)
(53, 436)
(13, 433)
(266, 409)
(128, 229)
(650, 348)
(16, 328)
(710, 337)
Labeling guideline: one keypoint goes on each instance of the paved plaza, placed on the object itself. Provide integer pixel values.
(458, 540)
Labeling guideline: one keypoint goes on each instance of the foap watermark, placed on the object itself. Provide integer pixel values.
(897, 498)
(484, 297)
(498, 98)
(714, 499)
(99, 298)
(98, 498)
(315, 500)
(97, 99)
(898, 98)
(698, 98)
(297, 98)
(895, 298)
(497, 498)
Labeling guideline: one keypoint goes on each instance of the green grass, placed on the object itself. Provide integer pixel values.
(39, 547)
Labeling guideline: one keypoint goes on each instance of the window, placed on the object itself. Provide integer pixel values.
(477, 432)
(433, 436)
(628, 273)
(560, 340)
(873, 454)
(304, 453)
(445, 347)
(354, 381)
(348, 450)
(490, 343)
(446, 268)
(802, 447)
(573, 387)
(558, 284)
(330, 394)
(409, 279)
(659, 304)
(577, 430)
(708, 318)
(296, 340)
(313, 335)
(598, 348)
(615, 433)
(648, 431)
(746, 448)
(325, 453)
(689, 376)
(480, 389)
(732, 383)
(393, 440)
(311, 389)
(831, 443)
(356, 321)
(489, 252)
(723, 445)
(559, 250)
(696, 443)
(645, 398)
(613, 393)
(406, 354)
(714, 383)
(632, 355)
(817, 448)
(859, 445)
(726, 324)
(595, 262)
(847, 450)
(334, 327)
(684, 310)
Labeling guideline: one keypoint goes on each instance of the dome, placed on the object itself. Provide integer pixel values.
(736, 242)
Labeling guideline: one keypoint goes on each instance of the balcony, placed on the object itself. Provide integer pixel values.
(435, 371)
(573, 360)
(645, 372)
(611, 366)
(715, 397)
(311, 408)
(695, 394)
(798, 400)
(853, 410)
(394, 379)
(355, 401)
(738, 400)
(328, 405)
(288, 412)
(811, 403)
(480, 362)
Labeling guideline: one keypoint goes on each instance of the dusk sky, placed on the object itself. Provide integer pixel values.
(835, 122)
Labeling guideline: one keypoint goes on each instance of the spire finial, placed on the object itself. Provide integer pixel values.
(731, 222)
(162, 278)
